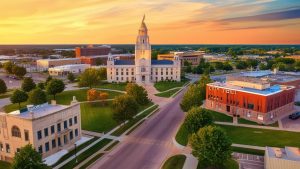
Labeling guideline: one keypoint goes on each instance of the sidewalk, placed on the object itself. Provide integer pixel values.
(191, 162)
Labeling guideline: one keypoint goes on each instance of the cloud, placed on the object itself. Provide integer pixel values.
(274, 16)
(259, 26)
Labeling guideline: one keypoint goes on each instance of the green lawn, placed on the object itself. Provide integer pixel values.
(220, 116)
(175, 162)
(168, 93)
(114, 86)
(251, 136)
(182, 136)
(86, 154)
(262, 137)
(230, 164)
(7, 94)
(248, 151)
(62, 98)
(166, 85)
(97, 117)
(4, 165)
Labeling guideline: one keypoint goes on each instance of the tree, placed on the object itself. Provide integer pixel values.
(241, 65)
(191, 98)
(211, 145)
(227, 66)
(28, 158)
(19, 96)
(37, 96)
(252, 63)
(102, 73)
(19, 71)
(92, 95)
(204, 80)
(71, 77)
(103, 96)
(3, 87)
(139, 93)
(124, 108)
(28, 84)
(219, 65)
(49, 78)
(89, 77)
(8, 67)
(196, 118)
(41, 85)
(54, 87)
(262, 66)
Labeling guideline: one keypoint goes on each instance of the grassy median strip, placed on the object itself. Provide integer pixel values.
(92, 150)
(112, 145)
(166, 85)
(248, 151)
(86, 165)
(168, 93)
(133, 121)
(71, 153)
(175, 162)
(135, 127)
(4, 165)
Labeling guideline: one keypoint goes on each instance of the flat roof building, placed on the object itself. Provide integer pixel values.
(279, 158)
(48, 63)
(190, 56)
(48, 127)
(251, 98)
(66, 69)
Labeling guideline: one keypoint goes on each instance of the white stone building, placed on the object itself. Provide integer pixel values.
(142, 69)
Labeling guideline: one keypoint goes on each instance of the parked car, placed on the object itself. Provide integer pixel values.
(294, 116)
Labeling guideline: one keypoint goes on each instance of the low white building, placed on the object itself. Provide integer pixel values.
(281, 158)
(44, 64)
(66, 69)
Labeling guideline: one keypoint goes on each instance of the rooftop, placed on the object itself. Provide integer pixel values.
(59, 59)
(66, 67)
(38, 111)
(287, 153)
(256, 73)
(153, 62)
(265, 92)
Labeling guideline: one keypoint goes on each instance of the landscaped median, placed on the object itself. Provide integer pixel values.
(168, 93)
(175, 162)
(167, 85)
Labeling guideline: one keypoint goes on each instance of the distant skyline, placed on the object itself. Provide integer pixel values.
(169, 22)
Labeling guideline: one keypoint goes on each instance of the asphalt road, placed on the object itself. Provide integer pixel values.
(149, 145)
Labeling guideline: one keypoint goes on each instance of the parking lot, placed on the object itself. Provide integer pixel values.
(249, 161)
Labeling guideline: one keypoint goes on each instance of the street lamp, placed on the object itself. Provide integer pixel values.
(75, 154)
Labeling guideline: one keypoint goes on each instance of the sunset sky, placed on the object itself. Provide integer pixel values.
(168, 21)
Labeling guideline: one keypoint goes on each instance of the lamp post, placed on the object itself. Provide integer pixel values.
(75, 154)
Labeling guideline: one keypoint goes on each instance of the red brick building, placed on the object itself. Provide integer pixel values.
(87, 54)
(253, 100)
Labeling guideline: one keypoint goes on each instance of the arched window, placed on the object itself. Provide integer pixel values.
(15, 132)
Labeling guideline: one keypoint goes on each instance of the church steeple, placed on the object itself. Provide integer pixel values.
(143, 29)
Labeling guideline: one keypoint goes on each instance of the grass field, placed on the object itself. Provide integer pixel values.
(244, 121)
(114, 86)
(168, 93)
(262, 137)
(230, 164)
(7, 94)
(62, 98)
(220, 116)
(175, 162)
(166, 85)
(251, 136)
(248, 151)
(4, 165)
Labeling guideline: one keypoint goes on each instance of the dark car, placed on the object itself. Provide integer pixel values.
(294, 116)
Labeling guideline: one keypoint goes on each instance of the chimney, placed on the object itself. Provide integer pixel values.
(53, 102)
(74, 101)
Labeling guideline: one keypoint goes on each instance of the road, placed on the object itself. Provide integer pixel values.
(149, 145)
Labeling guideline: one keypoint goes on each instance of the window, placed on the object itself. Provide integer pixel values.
(65, 124)
(46, 132)
(65, 139)
(52, 129)
(71, 135)
(53, 143)
(40, 149)
(76, 132)
(18, 150)
(7, 148)
(39, 134)
(15, 132)
(1, 147)
(143, 69)
(70, 121)
(47, 146)
(26, 134)
(58, 141)
(58, 127)
(75, 120)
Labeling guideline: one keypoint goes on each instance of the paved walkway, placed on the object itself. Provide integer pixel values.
(191, 162)
(4, 102)
(161, 101)
(257, 126)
